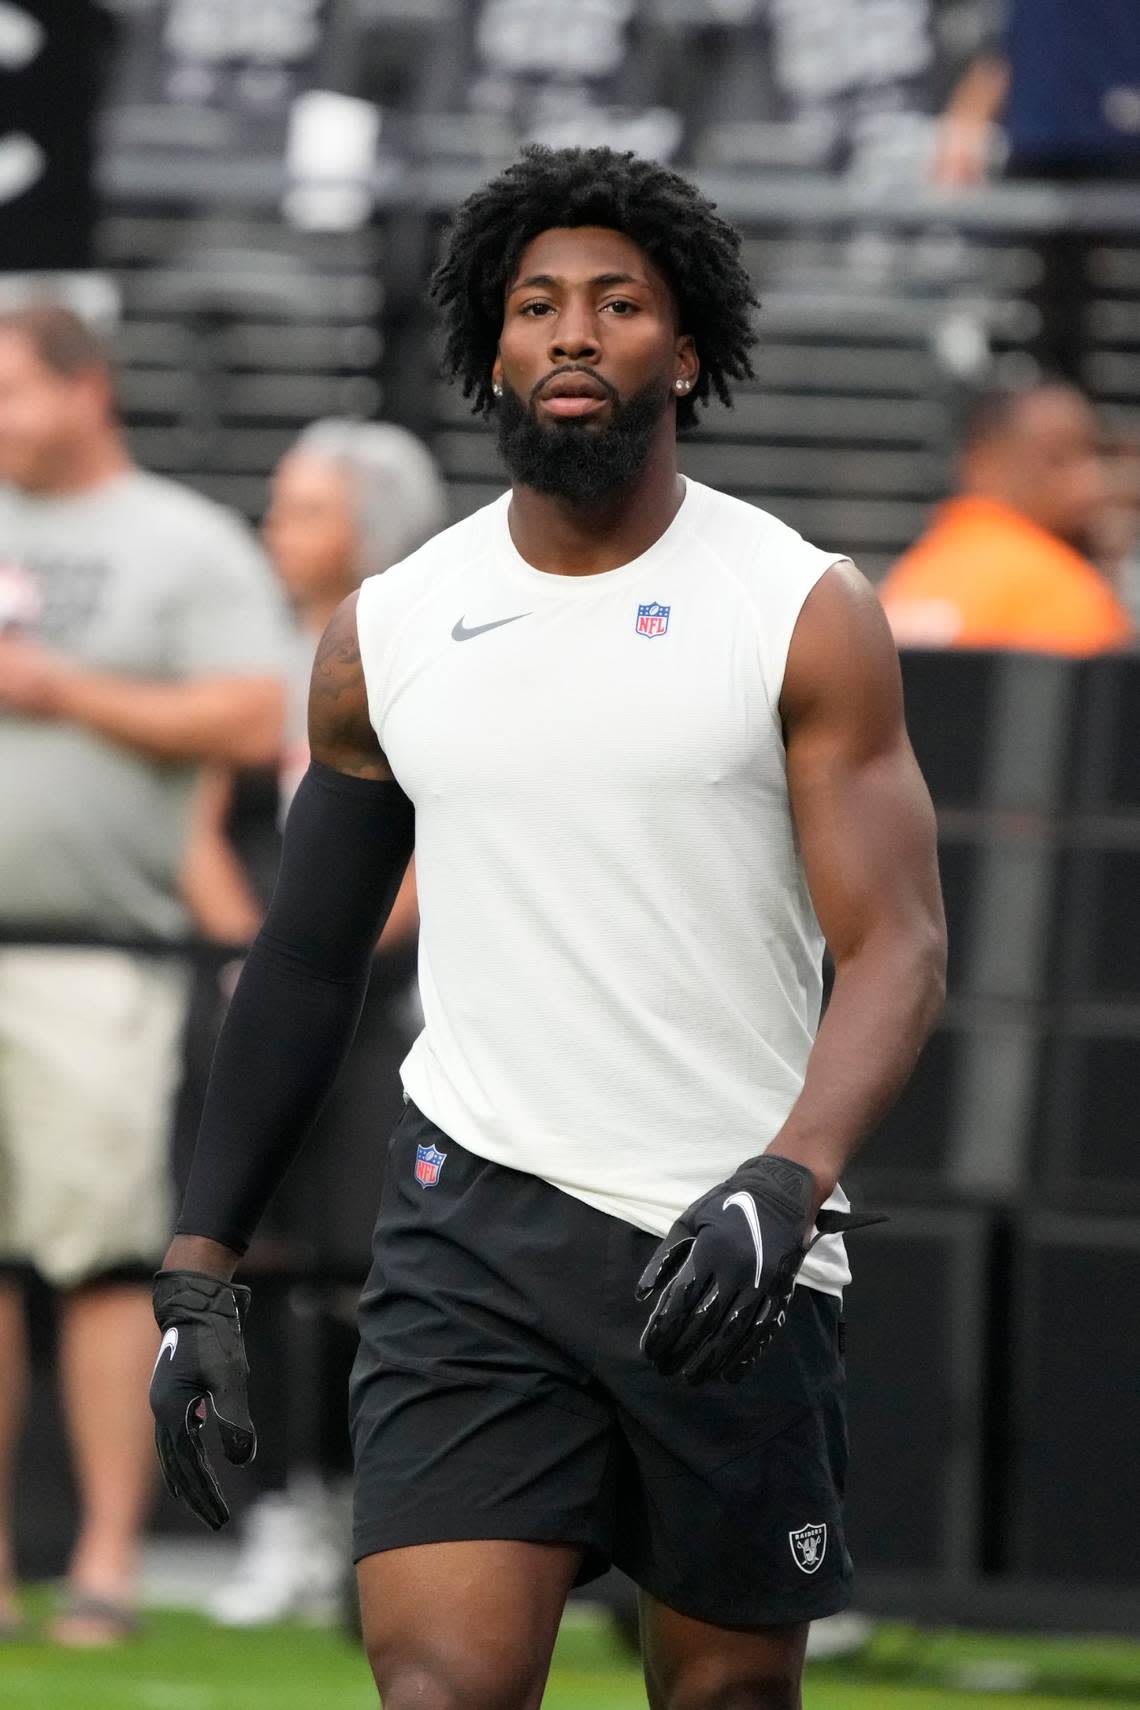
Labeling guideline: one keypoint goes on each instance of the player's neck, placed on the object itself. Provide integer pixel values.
(572, 539)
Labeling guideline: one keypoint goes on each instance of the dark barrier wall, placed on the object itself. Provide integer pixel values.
(917, 1348)
(1027, 1089)
(994, 1384)
(1073, 1416)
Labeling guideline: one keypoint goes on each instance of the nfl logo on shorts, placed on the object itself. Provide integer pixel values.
(652, 619)
(429, 1162)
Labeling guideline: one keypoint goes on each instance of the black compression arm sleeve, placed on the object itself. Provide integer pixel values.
(297, 1003)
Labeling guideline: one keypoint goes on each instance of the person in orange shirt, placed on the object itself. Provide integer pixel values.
(1003, 564)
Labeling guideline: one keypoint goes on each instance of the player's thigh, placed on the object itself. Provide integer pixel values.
(91, 1063)
(465, 1625)
(692, 1665)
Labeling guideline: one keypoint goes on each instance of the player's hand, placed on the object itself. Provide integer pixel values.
(724, 1274)
(31, 676)
(201, 1364)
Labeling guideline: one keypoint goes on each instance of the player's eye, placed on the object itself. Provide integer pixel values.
(536, 309)
(621, 306)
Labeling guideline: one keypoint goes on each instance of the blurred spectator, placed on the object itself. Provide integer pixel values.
(1003, 564)
(1064, 82)
(349, 500)
(140, 635)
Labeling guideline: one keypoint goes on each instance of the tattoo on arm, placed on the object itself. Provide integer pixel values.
(340, 731)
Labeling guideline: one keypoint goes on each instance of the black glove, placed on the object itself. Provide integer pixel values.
(724, 1273)
(201, 1356)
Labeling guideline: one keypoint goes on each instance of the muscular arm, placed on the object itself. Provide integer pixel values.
(341, 735)
(347, 842)
(867, 834)
(340, 730)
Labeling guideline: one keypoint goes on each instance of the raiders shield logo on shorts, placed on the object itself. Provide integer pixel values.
(809, 1546)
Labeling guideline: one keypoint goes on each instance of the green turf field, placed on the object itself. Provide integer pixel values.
(184, 1663)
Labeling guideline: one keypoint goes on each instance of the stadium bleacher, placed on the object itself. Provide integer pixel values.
(878, 303)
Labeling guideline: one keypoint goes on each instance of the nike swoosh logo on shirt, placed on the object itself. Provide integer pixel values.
(168, 1345)
(459, 633)
(748, 1206)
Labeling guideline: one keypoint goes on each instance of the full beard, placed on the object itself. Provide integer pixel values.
(573, 460)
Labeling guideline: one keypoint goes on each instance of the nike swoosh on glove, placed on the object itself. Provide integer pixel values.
(201, 1365)
(724, 1274)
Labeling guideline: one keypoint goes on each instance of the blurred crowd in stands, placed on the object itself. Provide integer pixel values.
(888, 92)
(154, 651)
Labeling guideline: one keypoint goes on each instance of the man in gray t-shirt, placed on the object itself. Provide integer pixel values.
(141, 635)
(159, 607)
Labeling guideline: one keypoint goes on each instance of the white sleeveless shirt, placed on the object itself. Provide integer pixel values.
(620, 964)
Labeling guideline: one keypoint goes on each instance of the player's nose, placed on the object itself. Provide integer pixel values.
(575, 337)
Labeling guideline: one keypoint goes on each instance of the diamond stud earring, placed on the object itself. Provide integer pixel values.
(497, 389)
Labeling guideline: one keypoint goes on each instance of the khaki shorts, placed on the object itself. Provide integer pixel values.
(90, 1063)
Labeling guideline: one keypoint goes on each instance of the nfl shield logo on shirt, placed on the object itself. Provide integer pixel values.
(809, 1546)
(429, 1162)
(652, 619)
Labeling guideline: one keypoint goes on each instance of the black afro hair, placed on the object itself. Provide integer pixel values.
(696, 251)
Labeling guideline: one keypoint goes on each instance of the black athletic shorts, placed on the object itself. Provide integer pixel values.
(499, 1392)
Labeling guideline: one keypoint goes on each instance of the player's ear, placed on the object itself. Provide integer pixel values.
(497, 377)
(687, 363)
